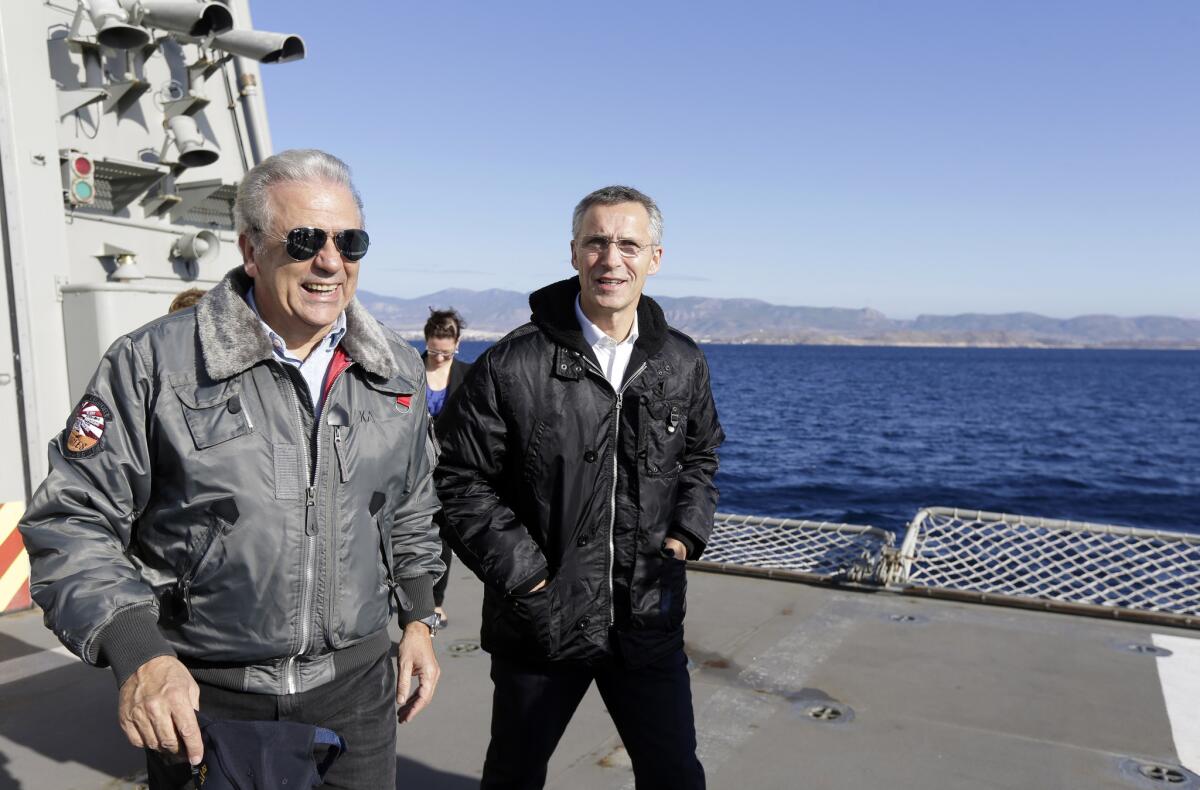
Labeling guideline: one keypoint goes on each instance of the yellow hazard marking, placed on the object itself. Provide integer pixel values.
(13, 577)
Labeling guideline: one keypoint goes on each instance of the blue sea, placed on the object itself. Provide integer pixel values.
(871, 435)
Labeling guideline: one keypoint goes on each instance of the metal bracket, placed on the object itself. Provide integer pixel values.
(191, 195)
(70, 101)
(124, 94)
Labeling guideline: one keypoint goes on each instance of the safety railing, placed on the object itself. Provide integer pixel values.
(802, 550)
(1026, 561)
(1049, 563)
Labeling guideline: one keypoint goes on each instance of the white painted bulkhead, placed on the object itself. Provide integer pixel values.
(61, 305)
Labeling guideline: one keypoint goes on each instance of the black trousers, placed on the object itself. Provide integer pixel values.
(361, 708)
(651, 706)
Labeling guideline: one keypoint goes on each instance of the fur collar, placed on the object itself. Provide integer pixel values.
(232, 341)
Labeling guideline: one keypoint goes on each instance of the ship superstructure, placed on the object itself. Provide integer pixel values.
(125, 127)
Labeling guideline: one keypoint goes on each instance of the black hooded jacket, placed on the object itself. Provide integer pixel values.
(548, 473)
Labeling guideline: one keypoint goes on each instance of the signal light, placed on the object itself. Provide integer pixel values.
(79, 179)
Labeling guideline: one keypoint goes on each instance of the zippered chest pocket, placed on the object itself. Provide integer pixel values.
(374, 443)
(663, 430)
(214, 413)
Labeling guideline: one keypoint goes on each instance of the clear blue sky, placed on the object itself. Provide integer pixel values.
(914, 156)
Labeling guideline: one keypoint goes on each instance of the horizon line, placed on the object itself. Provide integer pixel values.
(824, 307)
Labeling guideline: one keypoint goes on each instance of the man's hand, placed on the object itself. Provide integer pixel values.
(540, 585)
(415, 658)
(676, 547)
(157, 708)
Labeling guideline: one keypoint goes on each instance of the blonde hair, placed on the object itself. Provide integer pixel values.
(185, 299)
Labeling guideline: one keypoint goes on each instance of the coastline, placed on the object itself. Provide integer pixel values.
(878, 342)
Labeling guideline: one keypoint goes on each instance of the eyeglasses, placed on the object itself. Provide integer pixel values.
(441, 354)
(595, 246)
(303, 244)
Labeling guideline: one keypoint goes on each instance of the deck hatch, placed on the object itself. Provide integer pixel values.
(1142, 773)
(1143, 649)
(463, 647)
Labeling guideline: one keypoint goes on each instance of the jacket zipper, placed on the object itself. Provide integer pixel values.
(612, 509)
(185, 584)
(340, 451)
(290, 675)
(309, 555)
(612, 498)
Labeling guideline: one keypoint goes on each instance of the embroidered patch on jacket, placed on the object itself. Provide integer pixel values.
(404, 402)
(91, 419)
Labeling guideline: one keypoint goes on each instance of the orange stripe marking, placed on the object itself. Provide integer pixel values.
(10, 549)
(22, 600)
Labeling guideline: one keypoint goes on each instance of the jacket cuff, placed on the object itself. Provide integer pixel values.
(694, 547)
(131, 639)
(419, 590)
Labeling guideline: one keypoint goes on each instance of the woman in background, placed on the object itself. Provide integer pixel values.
(443, 375)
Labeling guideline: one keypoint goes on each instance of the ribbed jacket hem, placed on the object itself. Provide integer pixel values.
(345, 662)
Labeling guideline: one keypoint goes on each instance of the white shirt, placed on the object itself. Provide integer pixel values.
(612, 356)
(316, 366)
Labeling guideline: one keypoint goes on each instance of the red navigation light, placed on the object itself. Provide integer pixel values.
(79, 177)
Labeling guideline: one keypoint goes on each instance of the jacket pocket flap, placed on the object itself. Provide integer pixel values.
(396, 385)
(213, 414)
(202, 396)
(662, 409)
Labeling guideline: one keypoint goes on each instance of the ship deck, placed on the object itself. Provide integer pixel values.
(795, 686)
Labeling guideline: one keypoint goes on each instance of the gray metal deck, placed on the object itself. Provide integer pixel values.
(907, 693)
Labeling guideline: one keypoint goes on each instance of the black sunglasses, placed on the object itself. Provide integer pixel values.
(303, 244)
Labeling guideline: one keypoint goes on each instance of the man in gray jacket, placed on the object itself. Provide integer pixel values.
(243, 495)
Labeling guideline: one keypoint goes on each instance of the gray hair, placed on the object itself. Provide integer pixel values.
(252, 208)
(611, 196)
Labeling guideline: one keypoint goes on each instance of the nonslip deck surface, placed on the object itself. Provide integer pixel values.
(795, 687)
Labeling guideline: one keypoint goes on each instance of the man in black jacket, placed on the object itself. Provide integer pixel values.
(577, 476)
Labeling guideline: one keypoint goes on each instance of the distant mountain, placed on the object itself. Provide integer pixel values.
(488, 313)
(494, 312)
(733, 318)
(1093, 329)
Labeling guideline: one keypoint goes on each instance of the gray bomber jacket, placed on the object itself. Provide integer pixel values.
(187, 510)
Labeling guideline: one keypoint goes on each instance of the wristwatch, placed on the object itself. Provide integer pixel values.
(434, 622)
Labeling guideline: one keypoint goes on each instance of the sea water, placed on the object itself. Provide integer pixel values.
(869, 435)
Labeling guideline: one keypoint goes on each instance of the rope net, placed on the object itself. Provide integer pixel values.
(787, 544)
(1065, 561)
